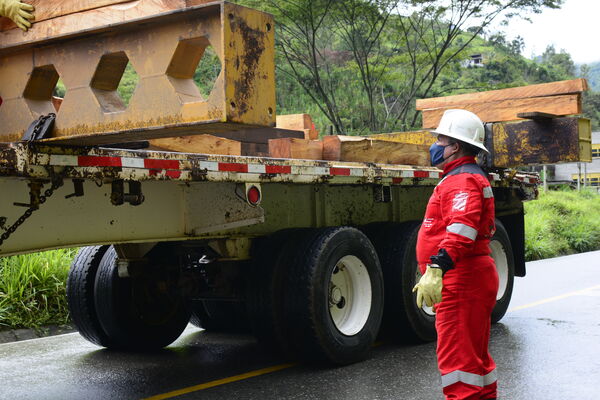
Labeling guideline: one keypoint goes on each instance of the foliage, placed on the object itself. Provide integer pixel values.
(592, 73)
(562, 222)
(32, 289)
(359, 65)
(363, 63)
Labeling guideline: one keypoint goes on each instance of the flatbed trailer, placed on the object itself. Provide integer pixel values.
(315, 257)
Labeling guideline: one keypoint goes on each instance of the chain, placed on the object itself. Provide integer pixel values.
(39, 125)
(56, 183)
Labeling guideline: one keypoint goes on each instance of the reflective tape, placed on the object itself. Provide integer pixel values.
(488, 193)
(462, 230)
(469, 378)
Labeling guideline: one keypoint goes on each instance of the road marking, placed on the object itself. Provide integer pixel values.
(219, 382)
(551, 299)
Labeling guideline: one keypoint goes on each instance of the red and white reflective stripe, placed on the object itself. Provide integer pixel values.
(106, 161)
(156, 165)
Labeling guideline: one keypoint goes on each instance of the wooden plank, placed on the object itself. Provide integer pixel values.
(68, 24)
(415, 137)
(540, 90)
(47, 9)
(538, 116)
(260, 135)
(300, 122)
(507, 110)
(203, 144)
(558, 140)
(255, 149)
(294, 121)
(296, 148)
(362, 149)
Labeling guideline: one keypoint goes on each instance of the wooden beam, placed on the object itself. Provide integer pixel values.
(507, 110)
(59, 19)
(415, 137)
(537, 116)
(540, 90)
(203, 144)
(299, 122)
(255, 149)
(260, 135)
(296, 148)
(362, 149)
(47, 9)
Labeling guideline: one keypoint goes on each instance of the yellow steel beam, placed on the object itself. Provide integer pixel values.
(164, 51)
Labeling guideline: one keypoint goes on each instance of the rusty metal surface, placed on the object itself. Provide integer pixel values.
(166, 101)
(558, 140)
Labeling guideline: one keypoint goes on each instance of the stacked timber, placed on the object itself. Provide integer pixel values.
(302, 122)
(529, 125)
(363, 149)
(556, 98)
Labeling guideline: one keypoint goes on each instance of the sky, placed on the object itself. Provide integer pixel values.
(575, 28)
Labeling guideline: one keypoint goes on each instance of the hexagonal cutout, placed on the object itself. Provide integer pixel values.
(41, 89)
(114, 82)
(194, 69)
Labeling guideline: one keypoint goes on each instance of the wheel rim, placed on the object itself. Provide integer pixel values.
(426, 309)
(349, 295)
(501, 261)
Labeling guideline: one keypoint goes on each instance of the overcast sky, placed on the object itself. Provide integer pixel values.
(575, 28)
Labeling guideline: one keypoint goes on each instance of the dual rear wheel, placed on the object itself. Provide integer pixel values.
(314, 294)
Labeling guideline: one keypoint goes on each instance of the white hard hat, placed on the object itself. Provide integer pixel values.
(462, 125)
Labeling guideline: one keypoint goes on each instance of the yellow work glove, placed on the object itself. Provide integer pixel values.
(429, 287)
(18, 12)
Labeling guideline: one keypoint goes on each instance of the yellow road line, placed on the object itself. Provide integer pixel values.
(551, 299)
(280, 367)
(219, 382)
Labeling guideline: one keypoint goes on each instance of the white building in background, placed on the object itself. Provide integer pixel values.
(570, 172)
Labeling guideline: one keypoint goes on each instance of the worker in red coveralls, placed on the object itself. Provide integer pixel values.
(459, 276)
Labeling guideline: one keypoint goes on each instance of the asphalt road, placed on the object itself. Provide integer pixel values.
(546, 347)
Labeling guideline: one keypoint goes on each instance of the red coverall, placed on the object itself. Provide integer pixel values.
(460, 219)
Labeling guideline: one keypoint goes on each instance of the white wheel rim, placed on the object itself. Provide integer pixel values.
(350, 295)
(499, 256)
(426, 309)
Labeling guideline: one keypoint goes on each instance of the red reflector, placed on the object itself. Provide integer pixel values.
(253, 195)
(421, 174)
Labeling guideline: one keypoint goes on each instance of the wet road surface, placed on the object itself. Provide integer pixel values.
(546, 347)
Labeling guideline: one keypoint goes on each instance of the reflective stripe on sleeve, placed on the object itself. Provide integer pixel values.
(469, 378)
(462, 230)
(488, 193)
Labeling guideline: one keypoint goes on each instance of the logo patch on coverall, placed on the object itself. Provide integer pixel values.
(459, 203)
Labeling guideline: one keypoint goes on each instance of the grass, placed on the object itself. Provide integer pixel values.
(32, 289)
(562, 222)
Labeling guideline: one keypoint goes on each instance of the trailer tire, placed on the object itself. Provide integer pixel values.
(80, 294)
(334, 296)
(219, 316)
(142, 313)
(266, 292)
(505, 265)
(403, 320)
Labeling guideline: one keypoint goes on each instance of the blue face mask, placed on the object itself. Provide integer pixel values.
(436, 152)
